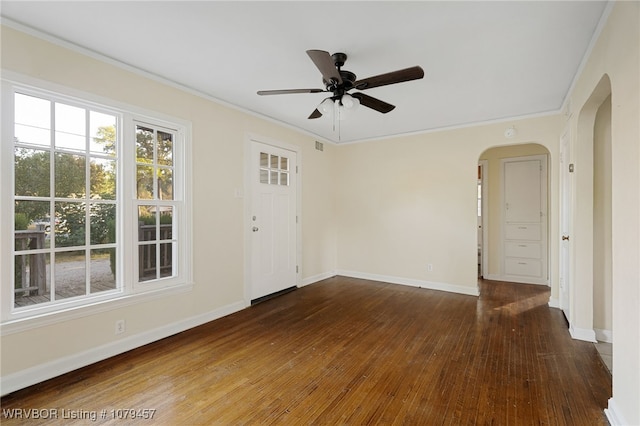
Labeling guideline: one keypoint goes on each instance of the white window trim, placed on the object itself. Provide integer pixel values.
(131, 292)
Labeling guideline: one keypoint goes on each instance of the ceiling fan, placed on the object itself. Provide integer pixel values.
(338, 82)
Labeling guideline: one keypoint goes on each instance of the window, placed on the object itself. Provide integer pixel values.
(274, 170)
(154, 193)
(81, 173)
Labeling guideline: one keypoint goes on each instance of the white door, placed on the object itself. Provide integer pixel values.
(525, 219)
(273, 219)
(565, 223)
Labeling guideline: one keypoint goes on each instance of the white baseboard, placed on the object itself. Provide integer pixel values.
(451, 288)
(604, 335)
(514, 279)
(492, 277)
(39, 373)
(586, 334)
(554, 303)
(316, 278)
(614, 415)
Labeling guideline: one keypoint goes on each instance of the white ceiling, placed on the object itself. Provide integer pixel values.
(483, 61)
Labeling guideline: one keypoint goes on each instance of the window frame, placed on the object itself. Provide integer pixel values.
(128, 288)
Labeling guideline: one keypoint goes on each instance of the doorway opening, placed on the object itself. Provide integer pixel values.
(513, 243)
(602, 234)
(592, 287)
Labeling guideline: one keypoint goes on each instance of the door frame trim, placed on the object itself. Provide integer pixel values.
(566, 209)
(246, 194)
(484, 166)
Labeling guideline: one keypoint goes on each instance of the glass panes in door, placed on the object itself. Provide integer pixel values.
(274, 169)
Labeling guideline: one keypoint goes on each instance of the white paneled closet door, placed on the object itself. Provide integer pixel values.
(524, 226)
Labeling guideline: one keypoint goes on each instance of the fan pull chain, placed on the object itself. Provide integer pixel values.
(339, 121)
(336, 111)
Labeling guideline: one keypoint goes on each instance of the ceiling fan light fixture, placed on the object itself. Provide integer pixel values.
(326, 107)
(349, 102)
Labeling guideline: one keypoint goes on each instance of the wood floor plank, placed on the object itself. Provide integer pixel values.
(350, 351)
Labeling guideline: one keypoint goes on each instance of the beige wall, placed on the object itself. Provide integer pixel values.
(495, 211)
(219, 135)
(407, 202)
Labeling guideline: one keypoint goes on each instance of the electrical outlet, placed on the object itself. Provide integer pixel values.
(429, 267)
(120, 327)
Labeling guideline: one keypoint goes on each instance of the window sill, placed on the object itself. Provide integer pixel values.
(12, 326)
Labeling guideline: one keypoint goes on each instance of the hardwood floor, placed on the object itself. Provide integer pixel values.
(349, 351)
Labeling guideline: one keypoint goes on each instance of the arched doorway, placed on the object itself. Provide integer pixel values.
(592, 299)
(590, 280)
(505, 257)
(602, 241)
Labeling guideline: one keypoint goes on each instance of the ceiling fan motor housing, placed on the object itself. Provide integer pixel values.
(348, 78)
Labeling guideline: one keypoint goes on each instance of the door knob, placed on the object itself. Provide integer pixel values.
(254, 229)
(565, 238)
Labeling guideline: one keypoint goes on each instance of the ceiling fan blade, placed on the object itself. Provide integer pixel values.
(324, 63)
(289, 91)
(373, 103)
(407, 74)
(315, 114)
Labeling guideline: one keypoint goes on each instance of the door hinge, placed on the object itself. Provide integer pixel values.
(296, 269)
(296, 169)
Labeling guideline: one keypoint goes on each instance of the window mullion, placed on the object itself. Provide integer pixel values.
(52, 200)
(87, 202)
(128, 208)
